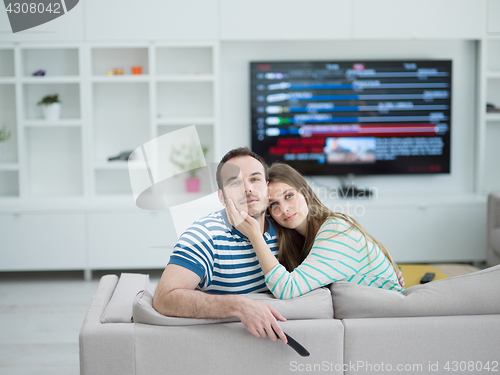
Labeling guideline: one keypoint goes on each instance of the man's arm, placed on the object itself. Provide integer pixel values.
(175, 296)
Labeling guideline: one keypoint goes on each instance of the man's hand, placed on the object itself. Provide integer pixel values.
(401, 279)
(260, 319)
(175, 296)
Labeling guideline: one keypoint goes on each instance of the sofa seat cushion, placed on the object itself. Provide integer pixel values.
(314, 305)
(472, 294)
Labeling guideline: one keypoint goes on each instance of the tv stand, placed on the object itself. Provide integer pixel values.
(349, 190)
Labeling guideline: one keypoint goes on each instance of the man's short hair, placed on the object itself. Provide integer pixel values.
(242, 151)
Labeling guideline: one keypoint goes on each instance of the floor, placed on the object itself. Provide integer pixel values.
(41, 314)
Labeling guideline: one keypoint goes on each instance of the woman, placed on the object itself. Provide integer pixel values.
(316, 246)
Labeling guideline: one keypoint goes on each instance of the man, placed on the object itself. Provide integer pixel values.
(213, 256)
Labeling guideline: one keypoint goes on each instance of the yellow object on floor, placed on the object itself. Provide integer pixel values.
(414, 272)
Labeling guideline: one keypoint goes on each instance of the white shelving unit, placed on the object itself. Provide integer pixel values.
(50, 152)
(102, 115)
(489, 152)
(58, 171)
(176, 89)
(9, 160)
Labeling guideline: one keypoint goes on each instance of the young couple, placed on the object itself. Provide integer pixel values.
(235, 250)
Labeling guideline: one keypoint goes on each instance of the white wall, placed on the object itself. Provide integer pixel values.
(235, 111)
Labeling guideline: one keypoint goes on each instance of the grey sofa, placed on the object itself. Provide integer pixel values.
(440, 327)
(493, 251)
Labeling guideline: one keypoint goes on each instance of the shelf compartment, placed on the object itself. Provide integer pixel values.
(175, 187)
(55, 62)
(493, 92)
(7, 62)
(121, 118)
(184, 60)
(69, 95)
(9, 183)
(493, 60)
(54, 161)
(205, 135)
(108, 59)
(113, 182)
(8, 119)
(185, 99)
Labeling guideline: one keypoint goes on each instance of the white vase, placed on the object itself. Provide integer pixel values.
(51, 112)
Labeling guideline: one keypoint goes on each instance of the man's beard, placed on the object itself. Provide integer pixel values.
(259, 214)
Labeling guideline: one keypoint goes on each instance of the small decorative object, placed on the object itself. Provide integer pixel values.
(123, 156)
(4, 136)
(189, 158)
(137, 70)
(118, 72)
(51, 106)
(109, 73)
(40, 72)
(491, 108)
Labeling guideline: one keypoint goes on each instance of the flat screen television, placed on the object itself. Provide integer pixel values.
(353, 117)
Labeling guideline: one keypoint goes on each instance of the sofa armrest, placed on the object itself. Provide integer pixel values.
(100, 342)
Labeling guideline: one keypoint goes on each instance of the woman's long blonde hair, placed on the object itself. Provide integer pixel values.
(294, 248)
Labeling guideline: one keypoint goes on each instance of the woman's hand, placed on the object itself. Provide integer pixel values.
(401, 279)
(242, 221)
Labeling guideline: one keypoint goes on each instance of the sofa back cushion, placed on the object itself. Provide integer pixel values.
(314, 305)
(473, 294)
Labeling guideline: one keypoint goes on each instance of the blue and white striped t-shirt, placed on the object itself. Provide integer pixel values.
(222, 256)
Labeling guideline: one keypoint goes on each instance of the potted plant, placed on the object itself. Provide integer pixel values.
(51, 106)
(189, 158)
(4, 135)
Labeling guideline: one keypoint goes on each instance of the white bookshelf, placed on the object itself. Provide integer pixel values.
(9, 159)
(58, 171)
(488, 150)
(102, 115)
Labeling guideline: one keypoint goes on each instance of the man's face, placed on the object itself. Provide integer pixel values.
(244, 182)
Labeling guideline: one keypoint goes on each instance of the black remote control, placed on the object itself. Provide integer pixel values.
(295, 345)
(427, 277)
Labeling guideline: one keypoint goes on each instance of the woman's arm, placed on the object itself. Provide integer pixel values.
(335, 256)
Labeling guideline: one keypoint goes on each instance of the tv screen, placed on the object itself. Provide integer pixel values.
(353, 117)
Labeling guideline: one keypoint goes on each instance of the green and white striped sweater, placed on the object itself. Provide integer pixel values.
(335, 256)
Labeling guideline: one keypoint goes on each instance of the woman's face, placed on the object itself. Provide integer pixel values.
(288, 207)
